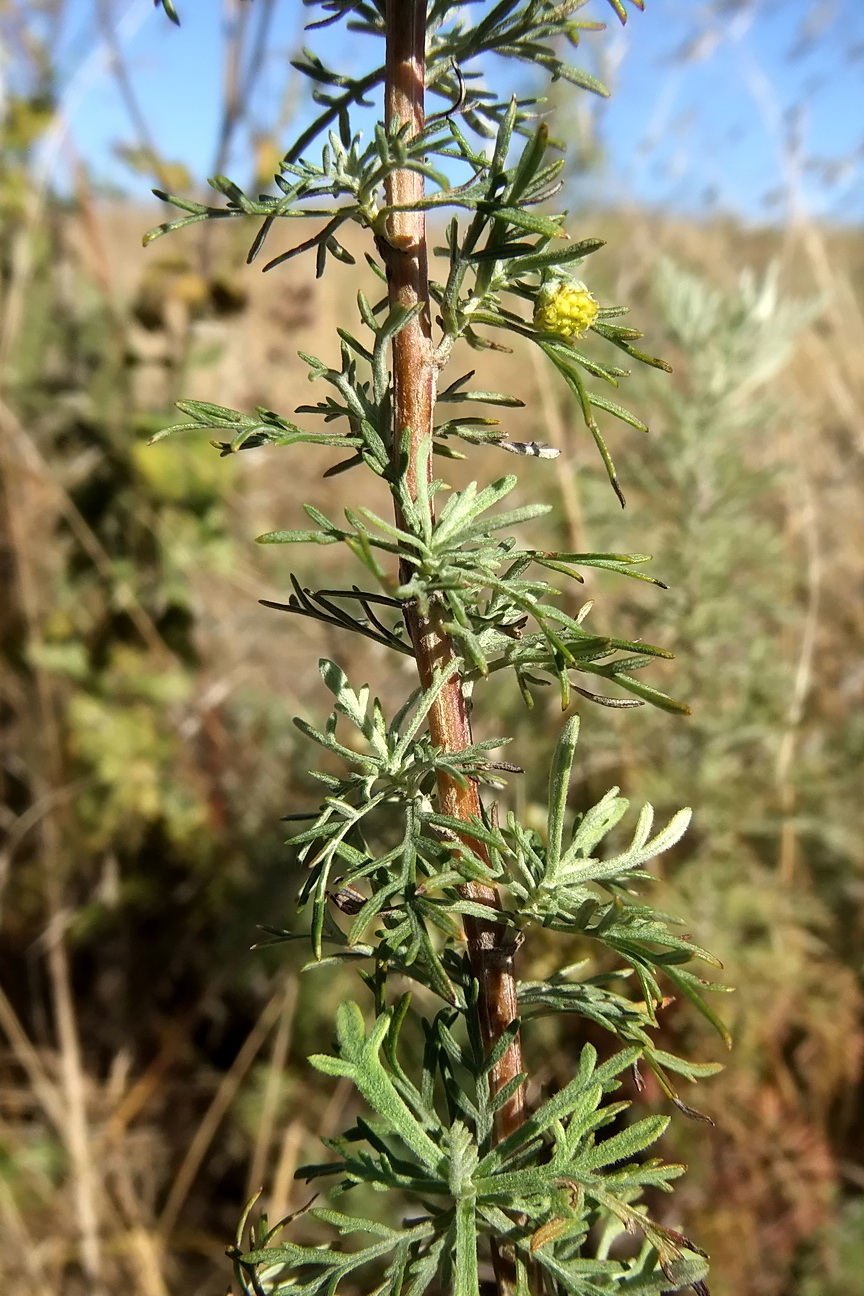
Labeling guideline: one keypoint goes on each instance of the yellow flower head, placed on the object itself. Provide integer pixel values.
(565, 307)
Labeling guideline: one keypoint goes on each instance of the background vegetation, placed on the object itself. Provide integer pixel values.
(148, 1078)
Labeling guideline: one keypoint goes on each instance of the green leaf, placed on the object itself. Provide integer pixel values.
(465, 1260)
(169, 9)
(559, 785)
(360, 1062)
(528, 220)
(553, 259)
(584, 80)
(621, 1147)
(648, 694)
(687, 984)
(296, 537)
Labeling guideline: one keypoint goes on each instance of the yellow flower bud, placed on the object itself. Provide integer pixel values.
(566, 308)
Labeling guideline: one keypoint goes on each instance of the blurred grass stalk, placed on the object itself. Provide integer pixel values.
(35, 137)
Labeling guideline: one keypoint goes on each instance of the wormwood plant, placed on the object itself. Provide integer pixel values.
(407, 871)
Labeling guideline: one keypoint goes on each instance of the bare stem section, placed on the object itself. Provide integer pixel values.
(414, 384)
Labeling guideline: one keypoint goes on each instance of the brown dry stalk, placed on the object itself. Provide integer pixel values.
(414, 385)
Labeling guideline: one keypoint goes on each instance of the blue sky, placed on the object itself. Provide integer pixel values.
(741, 105)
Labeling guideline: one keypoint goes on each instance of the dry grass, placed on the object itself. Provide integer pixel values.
(131, 1135)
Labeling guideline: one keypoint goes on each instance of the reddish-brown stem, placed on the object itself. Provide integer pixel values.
(414, 386)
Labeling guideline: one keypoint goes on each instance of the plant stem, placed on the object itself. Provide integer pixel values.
(414, 386)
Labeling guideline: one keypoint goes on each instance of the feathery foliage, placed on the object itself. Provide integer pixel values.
(402, 868)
